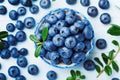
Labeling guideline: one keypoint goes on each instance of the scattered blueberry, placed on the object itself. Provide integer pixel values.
(5, 54)
(19, 25)
(13, 71)
(92, 11)
(13, 2)
(70, 42)
(10, 27)
(3, 10)
(45, 4)
(22, 61)
(6, 44)
(33, 69)
(1, 1)
(21, 11)
(21, 77)
(104, 4)
(12, 40)
(23, 51)
(2, 76)
(89, 65)
(20, 36)
(101, 44)
(13, 15)
(34, 9)
(27, 3)
(85, 2)
(51, 75)
(71, 2)
(105, 18)
(14, 52)
(29, 22)
(115, 79)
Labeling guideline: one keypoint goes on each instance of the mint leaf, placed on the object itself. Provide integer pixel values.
(115, 43)
(115, 66)
(97, 68)
(34, 38)
(105, 58)
(114, 30)
(1, 46)
(70, 78)
(37, 51)
(73, 74)
(82, 77)
(3, 34)
(78, 73)
(111, 54)
(44, 33)
(108, 70)
(98, 61)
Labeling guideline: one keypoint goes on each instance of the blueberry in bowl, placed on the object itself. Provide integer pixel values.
(70, 38)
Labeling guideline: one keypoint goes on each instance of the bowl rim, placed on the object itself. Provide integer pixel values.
(87, 53)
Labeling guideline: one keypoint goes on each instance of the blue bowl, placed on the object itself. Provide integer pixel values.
(61, 65)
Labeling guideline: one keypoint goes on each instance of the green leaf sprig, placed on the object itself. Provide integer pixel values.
(39, 43)
(3, 34)
(75, 75)
(108, 60)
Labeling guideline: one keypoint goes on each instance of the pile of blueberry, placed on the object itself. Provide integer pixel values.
(69, 38)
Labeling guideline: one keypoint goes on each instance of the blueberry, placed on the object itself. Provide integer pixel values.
(6, 44)
(78, 57)
(70, 12)
(33, 69)
(5, 54)
(53, 31)
(47, 55)
(88, 32)
(87, 45)
(65, 52)
(92, 11)
(48, 45)
(70, 19)
(10, 27)
(45, 4)
(3, 10)
(79, 24)
(74, 29)
(115, 79)
(71, 2)
(104, 4)
(89, 65)
(14, 52)
(29, 22)
(1, 1)
(0, 65)
(13, 2)
(79, 37)
(27, 3)
(20, 36)
(42, 52)
(23, 51)
(13, 15)
(21, 77)
(52, 19)
(19, 25)
(21, 11)
(60, 24)
(22, 61)
(2, 76)
(101, 43)
(34, 9)
(51, 75)
(60, 14)
(79, 47)
(70, 42)
(13, 71)
(55, 62)
(53, 55)
(105, 18)
(86, 22)
(12, 40)
(65, 31)
(85, 2)
(39, 36)
(66, 61)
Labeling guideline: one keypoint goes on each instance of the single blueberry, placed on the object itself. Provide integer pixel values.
(74, 29)
(34, 9)
(3, 76)
(13, 71)
(19, 25)
(42, 52)
(60, 24)
(79, 37)
(70, 19)
(85, 2)
(12, 40)
(1, 1)
(60, 14)
(71, 2)
(22, 61)
(49, 46)
(51, 75)
(5, 54)
(80, 24)
(70, 12)
(101, 43)
(104, 4)
(21, 77)
(92, 11)
(23, 51)
(53, 31)
(10, 27)
(65, 31)
(105, 18)
(13, 15)
(13, 2)
(66, 61)
(21, 11)
(52, 19)
(14, 52)
(79, 47)
(33, 69)
(6, 44)
(45, 4)
(87, 45)
(115, 79)
(70, 42)
(20, 36)
(89, 65)
(3, 10)
(53, 55)
(27, 3)
(29, 22)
